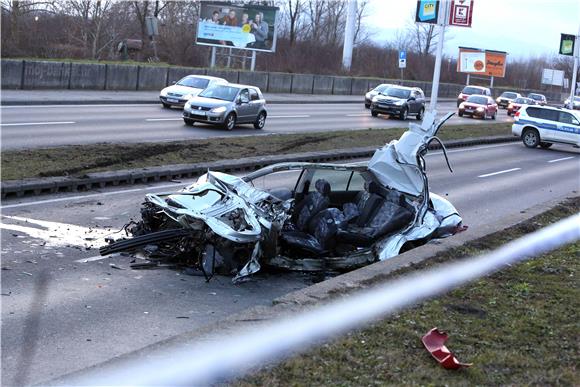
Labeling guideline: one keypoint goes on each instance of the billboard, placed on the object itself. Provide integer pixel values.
(482, 62)
(244, 26)
(553, 77)
(461, 13)
(427, 11)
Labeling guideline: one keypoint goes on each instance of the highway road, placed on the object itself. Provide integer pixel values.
(52, 125)
(88, 309)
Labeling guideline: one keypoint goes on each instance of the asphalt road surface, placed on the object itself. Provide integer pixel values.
(65, 308)
(43, 126)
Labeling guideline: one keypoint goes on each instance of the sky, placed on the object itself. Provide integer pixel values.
(522, 28)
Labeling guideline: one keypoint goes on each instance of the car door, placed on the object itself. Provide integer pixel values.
(568, 128)
(413, 103)
(255, 104)
(243, 106)
(548, 127)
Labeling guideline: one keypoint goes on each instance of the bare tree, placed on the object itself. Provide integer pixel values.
(294, 9)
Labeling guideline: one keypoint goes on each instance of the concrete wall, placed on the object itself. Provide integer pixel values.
(46, 75)
(279, 83)
(88, 76)
(120, 77)
(18, 74)
(12, 74)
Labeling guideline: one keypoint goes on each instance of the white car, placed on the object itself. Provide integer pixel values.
(181, 92)
(576, 103)
(543, 126)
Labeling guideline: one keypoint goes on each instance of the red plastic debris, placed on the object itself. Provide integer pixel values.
(434, 341)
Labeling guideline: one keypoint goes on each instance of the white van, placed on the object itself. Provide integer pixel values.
(543, 126)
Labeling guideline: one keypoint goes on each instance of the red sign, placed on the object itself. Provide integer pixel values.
(461, 13)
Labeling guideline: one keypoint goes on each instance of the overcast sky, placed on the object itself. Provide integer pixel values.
(520, 27)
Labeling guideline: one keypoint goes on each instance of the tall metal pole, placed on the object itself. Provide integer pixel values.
(349, 34)
(439, 54)
(253, 63)
(212, 61)
(575, 69)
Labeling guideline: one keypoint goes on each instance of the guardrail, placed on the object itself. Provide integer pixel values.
(234, 355)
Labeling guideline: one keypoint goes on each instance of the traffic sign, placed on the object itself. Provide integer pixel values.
(402, 59)
(427, 11)
(461, 13)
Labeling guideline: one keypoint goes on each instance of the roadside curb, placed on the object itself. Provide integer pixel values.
(98, 180)
(304, 299)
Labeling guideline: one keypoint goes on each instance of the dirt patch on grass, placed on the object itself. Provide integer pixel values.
(518, 327)
(78, 160)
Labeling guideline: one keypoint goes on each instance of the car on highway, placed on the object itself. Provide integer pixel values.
(543, 125)
(506, 98)
(472, 90)
(540, 99)
(478, 106)
(517, 103)
(227, 106)
(297, 216)
(576, 105)
(374, 92)
(399, 101)
(188, 87)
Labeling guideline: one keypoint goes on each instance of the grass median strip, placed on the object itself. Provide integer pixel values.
(76, 160)
(518, 327)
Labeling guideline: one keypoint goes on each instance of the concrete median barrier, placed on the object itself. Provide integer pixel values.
(302, 83)
(279, 83)
(342, 85)
(121, 77)
(46, 75)
(362, 85)
(174, 74)
(322, 84)
(152, 78)
(230, 76)
(12, 74)
(258, 79)
(88, 76)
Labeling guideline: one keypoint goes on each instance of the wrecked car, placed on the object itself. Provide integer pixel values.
(298, 216)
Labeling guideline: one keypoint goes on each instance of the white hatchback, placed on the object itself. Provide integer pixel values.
(186, 88)
(543, 126)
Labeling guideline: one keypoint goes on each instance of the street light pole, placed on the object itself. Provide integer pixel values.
(349, 31)
(575, 69)
(438, 56)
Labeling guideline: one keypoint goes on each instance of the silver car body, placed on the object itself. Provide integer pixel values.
(214, 105)
(374, 92)
(179, 93)
(230, 219)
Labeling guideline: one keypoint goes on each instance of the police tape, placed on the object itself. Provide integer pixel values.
(232, 356)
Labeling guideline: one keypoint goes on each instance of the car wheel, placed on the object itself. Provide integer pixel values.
(367, 105)
(404, 113)
(230, 121)
(420, 114)
(260, 121)
(531, 138)
(493, 116)
(545, 145)
(166, 105)
(374, 113)
(188, 121)
(460, 114)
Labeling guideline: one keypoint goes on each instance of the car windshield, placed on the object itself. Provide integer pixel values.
(224, 93)
(381, 88)
(537, 97)
(472, 90)
(397, 92)
(477, 99)
(576, 99)
(524, 101)
(195, 82)
(509, 95)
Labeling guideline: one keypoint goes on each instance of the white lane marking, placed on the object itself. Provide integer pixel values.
(57, 234)
(499, 172)
(164, 119)
(294, 116)
(39, 123)
(562, 159)
(154, 188)
(359, 115)
(85, 105)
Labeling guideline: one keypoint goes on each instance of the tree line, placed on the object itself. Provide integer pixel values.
(310, 39)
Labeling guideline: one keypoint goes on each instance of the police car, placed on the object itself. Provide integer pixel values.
(543, 126)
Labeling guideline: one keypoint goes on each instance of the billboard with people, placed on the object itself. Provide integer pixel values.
(251, 27)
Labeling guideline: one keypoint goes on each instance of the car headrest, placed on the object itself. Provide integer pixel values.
(373, 188)
(322, 186)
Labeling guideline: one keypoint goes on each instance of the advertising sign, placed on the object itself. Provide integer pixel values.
(553, 77)
(482, 62)
(461, 13)
(427, 11)
(402, 59)
(248, 26)
(567, 44)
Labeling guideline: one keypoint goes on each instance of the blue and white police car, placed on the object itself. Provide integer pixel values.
(543, 126)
